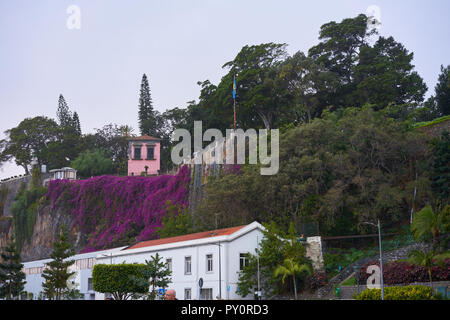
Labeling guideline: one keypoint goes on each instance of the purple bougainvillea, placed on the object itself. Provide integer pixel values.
(109, 209)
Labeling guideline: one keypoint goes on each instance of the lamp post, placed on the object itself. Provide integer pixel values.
(258, 274)
(381, 255)
(220, 272)
(356, 269)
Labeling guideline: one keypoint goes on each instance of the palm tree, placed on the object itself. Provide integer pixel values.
(429, 224)
(291, 268)
(425, 259)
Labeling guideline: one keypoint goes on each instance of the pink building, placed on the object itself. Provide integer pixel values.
(143, 155)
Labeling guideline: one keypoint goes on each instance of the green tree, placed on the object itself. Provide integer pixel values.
(310, 85)
(93, 163)
(12, 278)
(291, 268)
(439, 103)
(68, 144)
(156, 274)
(384, 75)
(57, 273)
(120, 280)
(441, 169)
(176, 222)
(112, 138)
(76, 123)
(29, 139)
(63, 113)
(338, 51)
(275, 247)
(148, 124)
(256, 69)
(429, 224)
(425, 259)
(348, 167)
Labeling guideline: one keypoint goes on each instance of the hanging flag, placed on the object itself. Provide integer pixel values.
(234, 88)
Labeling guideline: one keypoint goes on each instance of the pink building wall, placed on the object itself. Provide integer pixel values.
(135, 167)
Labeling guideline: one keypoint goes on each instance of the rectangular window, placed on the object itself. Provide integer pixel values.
(209, 263)
(187, 294)
(90, 285)
(150, 153)
(137, 153)
(169, 264)
(243, 260)
(187, 265)
(206, 294)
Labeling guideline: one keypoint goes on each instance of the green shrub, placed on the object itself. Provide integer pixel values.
(399, 293)
(117, 279)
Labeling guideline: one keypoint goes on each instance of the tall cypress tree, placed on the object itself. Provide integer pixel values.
(63, 113)
(11, 275)
(76, 123)
(57, 273)
(147, 116)
(442, 91)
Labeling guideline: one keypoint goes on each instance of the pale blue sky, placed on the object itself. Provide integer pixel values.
(98, 68)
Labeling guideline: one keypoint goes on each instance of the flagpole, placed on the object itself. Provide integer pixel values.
(234, 115)
(234, 100)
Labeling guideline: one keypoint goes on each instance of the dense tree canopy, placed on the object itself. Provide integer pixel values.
(347, 168)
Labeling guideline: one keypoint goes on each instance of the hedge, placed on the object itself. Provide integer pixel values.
(117, 279)
(398, 293)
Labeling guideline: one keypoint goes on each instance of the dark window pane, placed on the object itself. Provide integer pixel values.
(150, 153)
(137, 152)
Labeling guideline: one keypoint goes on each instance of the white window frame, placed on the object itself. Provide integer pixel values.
(245, 258)
(169, 265)
(207, 263)
(190, 293)
(185, 265)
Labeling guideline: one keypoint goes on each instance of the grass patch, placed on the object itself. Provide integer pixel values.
(349, 282)
(432, 122)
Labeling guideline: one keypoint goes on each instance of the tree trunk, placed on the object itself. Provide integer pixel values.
(431, 278)
(295, 288)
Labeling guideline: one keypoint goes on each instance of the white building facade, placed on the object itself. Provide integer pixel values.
(81, 280)
(215, 256)
(204, 265)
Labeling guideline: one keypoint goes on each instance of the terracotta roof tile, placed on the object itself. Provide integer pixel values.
(192, 236)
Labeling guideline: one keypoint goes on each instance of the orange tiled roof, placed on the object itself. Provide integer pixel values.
(143, 138)
(192, 236)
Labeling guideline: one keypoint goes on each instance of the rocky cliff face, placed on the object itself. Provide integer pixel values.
(48, 224)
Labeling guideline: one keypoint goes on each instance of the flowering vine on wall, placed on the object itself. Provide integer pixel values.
(111, 210)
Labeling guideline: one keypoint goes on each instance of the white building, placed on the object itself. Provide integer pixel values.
(81, 280)
(216, 257)
(196, 256)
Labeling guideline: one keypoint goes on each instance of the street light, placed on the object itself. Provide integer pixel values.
(220, 272)
(356, 269)
(381, 255)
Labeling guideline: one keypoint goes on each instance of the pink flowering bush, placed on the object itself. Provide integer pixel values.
(111, 209)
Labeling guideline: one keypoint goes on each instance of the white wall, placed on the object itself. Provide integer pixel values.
(229, 257)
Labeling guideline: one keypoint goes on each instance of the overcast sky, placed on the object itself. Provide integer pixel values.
(98, 68)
